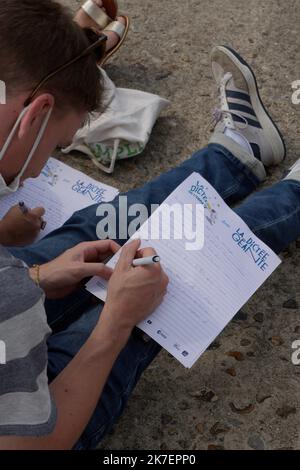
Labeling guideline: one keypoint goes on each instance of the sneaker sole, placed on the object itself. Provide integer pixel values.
(271, 130)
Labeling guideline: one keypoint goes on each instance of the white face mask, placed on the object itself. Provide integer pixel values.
(15, 184)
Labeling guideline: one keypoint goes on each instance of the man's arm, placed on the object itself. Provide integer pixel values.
(133, 293)
(76, 391)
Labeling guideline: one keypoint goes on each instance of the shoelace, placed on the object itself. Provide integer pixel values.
(222, 111)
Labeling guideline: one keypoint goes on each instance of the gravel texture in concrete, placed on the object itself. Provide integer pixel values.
(244, 391)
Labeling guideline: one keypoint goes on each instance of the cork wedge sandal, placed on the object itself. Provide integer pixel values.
(102, 18)
(122, 31)
(105, 23)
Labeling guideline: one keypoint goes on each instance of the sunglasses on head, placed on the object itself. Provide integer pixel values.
(98, 46)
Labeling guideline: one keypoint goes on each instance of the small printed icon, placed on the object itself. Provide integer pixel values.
(162, 334)
(149, 322)
(213, 217)
(185, 353)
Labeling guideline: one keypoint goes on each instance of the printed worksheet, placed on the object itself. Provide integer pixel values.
(61, 190)
(214, 262)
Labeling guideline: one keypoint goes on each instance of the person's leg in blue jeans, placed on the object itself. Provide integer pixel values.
(230, 177)
(234, 172)
(72, 327)
(234, 165)
(273, 214)
(226, 174)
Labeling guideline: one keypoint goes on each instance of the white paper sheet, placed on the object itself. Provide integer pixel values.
(61, 190)
(209, 286)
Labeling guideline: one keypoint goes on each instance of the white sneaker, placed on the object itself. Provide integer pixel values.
(242, 111)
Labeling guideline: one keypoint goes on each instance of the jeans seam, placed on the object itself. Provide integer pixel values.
(67, 313)
(246, 171)
(274, 222)
(231, 190)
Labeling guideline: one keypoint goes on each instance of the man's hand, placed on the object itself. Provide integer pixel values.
(133, 293)
(63, 275)
(18, 229)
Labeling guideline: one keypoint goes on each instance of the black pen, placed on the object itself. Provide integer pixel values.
(24, 209)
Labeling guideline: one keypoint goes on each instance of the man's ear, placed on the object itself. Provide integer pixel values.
(35, 114)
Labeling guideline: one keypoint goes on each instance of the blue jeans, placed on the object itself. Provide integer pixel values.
(273, 214)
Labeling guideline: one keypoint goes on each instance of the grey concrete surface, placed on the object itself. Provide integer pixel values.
(252, 402)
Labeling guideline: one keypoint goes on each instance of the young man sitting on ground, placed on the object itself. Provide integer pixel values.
(65, 388)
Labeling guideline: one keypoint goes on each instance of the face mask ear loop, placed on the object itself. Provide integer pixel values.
(37, 142)
(108, 169)
(12, 133)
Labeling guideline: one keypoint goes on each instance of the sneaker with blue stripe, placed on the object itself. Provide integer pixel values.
(241, 112)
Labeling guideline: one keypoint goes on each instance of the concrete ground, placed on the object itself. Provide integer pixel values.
(252, 400)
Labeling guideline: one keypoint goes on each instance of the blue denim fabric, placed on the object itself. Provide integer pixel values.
(273, 214)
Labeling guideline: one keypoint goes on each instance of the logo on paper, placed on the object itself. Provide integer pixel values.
(251, 247)
(199, 192)
(162, 334)
(92, 191)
